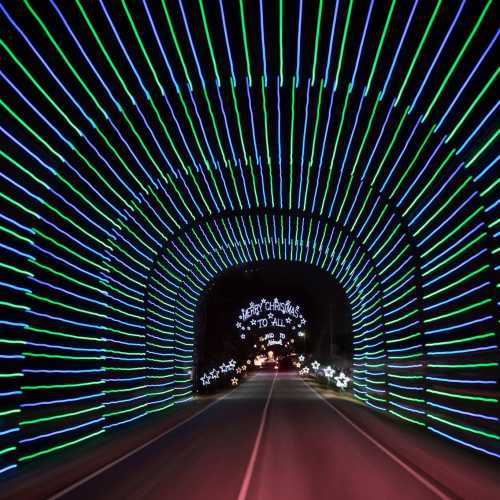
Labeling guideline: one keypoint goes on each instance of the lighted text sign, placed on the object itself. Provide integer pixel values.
(281, 317)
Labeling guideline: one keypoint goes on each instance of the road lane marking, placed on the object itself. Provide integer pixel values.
(253, 457)
(419, 477)
(111, 464)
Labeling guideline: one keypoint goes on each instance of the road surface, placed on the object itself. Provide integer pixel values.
(273, 438)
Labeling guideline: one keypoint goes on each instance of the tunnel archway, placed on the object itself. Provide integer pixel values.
(133, 175)
(318, 249)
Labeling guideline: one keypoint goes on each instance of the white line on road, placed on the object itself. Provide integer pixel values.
(382, 448)
(253, 457)
(108, 466)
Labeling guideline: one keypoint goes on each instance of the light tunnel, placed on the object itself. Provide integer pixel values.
(147, 147)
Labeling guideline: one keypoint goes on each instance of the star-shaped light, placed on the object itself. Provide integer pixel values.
(243, 336)
(328, 372)
(305, 370)
(205, 380)
(315, 366)
(252, 322)
(342, 380)
(234, 381)
(238, 370)
(302, 358)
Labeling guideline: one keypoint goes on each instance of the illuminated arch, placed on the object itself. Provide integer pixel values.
(123, 160)
(220, 255)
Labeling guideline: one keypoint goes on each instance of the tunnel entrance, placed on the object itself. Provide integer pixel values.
(327, 333)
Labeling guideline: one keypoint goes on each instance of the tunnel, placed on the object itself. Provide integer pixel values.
(165, 163)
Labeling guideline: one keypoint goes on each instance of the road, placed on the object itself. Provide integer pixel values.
(272, 438)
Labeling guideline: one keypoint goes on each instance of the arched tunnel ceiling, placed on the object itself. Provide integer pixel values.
(148, 146)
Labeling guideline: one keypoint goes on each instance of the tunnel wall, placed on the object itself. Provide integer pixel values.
(129, 181)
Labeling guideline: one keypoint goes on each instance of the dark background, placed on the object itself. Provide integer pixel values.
(321, 300)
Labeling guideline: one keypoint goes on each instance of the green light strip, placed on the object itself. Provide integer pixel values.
(61, 446)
